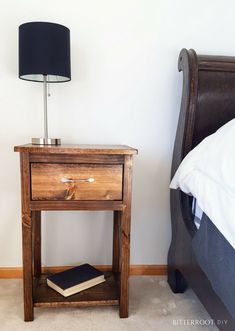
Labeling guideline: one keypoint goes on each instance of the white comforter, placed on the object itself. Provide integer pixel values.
(208, 173)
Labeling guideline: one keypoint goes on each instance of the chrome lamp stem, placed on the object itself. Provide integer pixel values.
(45, 106)
(45, 140)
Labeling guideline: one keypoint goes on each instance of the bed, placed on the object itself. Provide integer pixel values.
(208, 103)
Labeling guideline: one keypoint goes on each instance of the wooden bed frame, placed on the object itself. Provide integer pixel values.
(208, 102)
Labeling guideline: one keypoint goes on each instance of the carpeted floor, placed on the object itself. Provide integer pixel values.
(153, 307)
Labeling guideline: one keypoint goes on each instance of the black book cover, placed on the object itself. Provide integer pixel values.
(75, 276)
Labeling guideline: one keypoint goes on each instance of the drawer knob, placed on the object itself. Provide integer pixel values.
(81, 180)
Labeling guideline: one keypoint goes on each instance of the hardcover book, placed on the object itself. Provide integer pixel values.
(75, 280)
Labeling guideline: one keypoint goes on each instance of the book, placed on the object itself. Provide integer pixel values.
(75, 280)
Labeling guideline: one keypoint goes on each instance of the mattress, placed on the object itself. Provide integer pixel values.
(215, 254)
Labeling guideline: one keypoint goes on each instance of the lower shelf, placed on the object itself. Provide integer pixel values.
(106, 293)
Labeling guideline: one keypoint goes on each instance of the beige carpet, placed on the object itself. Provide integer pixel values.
(152, 307)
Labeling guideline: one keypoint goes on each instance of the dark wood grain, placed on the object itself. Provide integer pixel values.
(73, 158)
(46, 181)
(26, 237)
(125, 238)
(116, 240)
(106, 293)
(183, 140)
(76, 205)
(41, 167)
(36, 242)
(216, 63)
(77, 149)
(208, 100)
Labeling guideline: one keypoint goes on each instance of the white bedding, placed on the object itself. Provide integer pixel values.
(208, 173)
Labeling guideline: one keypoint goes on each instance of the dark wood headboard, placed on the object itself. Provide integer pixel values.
(208, 102)
(208, 99)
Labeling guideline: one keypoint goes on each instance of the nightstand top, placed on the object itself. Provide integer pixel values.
(77, 149)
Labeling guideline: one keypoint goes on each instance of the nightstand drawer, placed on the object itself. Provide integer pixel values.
(76, 181)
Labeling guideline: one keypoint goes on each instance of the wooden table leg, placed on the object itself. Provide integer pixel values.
(116, 240)
(26, 238)
(36, 222)
(125, 239)
(27, 267)
(125, 265)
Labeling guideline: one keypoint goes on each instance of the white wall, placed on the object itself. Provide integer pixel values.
(125, 89)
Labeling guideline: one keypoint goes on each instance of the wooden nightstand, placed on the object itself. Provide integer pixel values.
(75, 177)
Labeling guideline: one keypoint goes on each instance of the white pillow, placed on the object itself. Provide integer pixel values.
(208, 173)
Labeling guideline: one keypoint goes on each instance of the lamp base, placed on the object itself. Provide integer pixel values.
(46, 141)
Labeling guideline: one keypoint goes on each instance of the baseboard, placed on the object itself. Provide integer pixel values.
(135, 269)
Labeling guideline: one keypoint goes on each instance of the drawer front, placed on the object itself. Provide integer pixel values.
(76, 181)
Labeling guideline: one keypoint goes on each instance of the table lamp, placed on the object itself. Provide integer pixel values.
(44, 56)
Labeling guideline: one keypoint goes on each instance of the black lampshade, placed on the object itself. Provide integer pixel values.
(44, 49)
